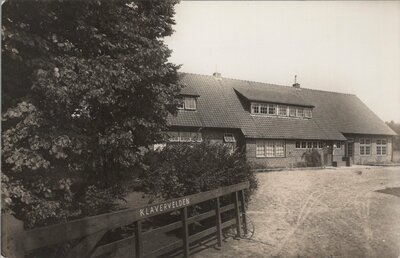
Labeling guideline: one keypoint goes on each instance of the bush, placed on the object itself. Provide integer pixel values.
(312, 158)
(184, 169)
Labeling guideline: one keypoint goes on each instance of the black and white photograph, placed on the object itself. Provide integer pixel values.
(178, 128)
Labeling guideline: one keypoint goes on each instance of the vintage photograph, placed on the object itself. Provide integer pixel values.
(167, 128)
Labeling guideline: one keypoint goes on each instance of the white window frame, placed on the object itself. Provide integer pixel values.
(263, 148)
(364, 145)
(270, 107)
(193, 136)
(281, 145)
(282, 108)
(194, 101)
(229, 137)
(292, 111)
(381, 144)
(184, 101)
(308, 113)
(299, 112)
(260, 149)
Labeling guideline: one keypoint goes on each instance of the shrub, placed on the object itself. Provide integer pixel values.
(184, 169)
(312, 158)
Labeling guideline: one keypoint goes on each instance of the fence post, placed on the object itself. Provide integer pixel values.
(185, 232)
(237, 211)
(218, 220)
(243, 202)
(12, 236)
(138, 239)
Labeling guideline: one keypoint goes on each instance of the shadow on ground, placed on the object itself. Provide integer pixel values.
(393, 191)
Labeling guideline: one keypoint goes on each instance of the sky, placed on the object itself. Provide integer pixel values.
(350, 47)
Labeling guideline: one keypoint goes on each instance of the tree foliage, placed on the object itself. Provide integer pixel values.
(85, 84)
(184, 169)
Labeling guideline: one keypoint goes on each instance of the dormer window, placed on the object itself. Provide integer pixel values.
(269, 109)
(228, 137)
(308, 113)
(188, 103)
(292, 111)
(280, 110)
(300, 112)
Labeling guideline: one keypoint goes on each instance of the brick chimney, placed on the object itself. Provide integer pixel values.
(217, 75)
(296, 85)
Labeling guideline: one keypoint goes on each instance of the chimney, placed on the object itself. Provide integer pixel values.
(296, 85)
(217, 75)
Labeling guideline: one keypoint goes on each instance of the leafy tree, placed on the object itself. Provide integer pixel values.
(85, 85)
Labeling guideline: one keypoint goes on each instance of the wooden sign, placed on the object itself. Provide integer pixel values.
(164, 207)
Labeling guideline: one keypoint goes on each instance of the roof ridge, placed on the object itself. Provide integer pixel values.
(271, 84)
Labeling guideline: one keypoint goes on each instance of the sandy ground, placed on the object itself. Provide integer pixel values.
(322, 213)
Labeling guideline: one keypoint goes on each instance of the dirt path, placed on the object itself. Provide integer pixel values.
(322, 213)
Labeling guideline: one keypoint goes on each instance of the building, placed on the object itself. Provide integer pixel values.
(276, 125)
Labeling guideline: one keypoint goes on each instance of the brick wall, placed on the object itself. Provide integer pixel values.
(292, 157)
(396, 156)
(373, 158)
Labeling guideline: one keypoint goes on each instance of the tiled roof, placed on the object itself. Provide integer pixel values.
(275, 95)
(224, 103)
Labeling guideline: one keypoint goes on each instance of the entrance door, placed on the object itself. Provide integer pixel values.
(327, 151)
(349, 153)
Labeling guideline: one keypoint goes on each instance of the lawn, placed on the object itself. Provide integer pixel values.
(343, 212)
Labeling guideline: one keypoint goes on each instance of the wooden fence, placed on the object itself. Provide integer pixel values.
(17, 242)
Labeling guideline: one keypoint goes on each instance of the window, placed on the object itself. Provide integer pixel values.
(184, 136)
(255, 108)
(300, 112)
(381, 147)
(307, 112)
(190, 103)
(338, 145)
(173, 136)
(292, 111)
(320, 144)
(282, 110)
(268, 148)
(181, 104)
(309, 145)
(228, 137)
(298, 144)
(264, 109)
(260, 149)
(279, 148)
(303, 145)
(365, 147)
(196, 137)
(315, 145)
(271, 109)
(187, 103)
